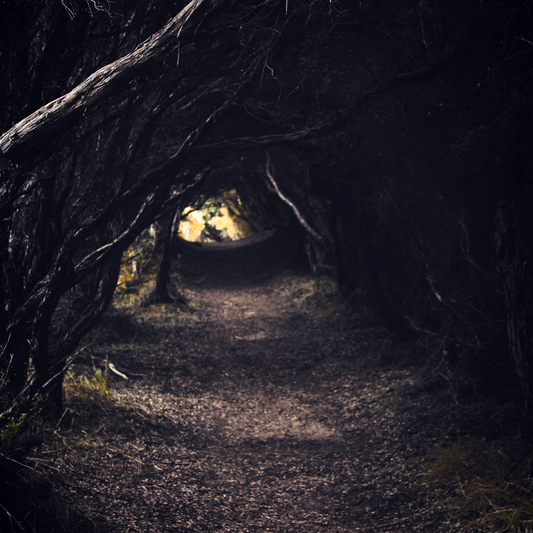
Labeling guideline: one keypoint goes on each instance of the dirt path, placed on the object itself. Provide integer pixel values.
(252, 414)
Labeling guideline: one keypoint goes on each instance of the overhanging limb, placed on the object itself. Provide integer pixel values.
(112, 78)
(299, 216)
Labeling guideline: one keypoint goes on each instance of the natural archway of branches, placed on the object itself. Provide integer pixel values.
(394, 137)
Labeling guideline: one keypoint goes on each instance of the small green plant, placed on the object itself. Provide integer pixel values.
(88, 388)
(13, 429)
(477, 476)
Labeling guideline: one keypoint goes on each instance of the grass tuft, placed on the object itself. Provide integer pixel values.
(484, 485)
(93, 388)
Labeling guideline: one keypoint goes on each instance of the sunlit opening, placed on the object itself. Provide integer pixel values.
(217, 219)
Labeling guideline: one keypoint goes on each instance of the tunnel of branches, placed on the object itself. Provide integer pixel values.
(393, 139)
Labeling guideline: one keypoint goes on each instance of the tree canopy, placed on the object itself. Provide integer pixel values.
(397, 134)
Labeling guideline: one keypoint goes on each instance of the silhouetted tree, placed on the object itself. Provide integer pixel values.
(398, 134)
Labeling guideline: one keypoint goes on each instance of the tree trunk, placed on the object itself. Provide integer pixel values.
(515, 273)
(169, 231)
(14, 364)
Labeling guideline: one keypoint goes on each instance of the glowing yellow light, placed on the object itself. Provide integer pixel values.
(193, 223)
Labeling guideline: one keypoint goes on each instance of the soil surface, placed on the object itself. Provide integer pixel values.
(265, 405)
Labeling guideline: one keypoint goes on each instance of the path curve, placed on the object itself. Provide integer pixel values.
(260, 411)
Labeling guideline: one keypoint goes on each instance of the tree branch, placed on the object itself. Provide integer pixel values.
(47, 120)
(299, 216)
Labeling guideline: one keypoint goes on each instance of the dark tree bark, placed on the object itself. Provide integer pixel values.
(516, 276)
(401, 114)
(166, 250)
(40, 126)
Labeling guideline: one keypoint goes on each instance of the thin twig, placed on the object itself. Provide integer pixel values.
(299, 216)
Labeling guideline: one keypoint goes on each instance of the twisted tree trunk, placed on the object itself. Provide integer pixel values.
(43, 124)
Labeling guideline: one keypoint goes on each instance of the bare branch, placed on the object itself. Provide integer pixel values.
(49, 118)
(299, 216)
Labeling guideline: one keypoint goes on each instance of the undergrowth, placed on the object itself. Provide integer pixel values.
(94, 387)
(137, 269)
(484, 484)
(30, 501)
(320, 296)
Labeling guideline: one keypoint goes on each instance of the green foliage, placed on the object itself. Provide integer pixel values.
(212, 208)
(483, 484)
(93, 388)
(13, 429)
(138, 270)
(219, 218)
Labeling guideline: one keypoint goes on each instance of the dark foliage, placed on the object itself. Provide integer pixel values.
(398, 135)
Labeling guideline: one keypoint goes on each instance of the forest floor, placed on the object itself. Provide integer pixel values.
(263, 405)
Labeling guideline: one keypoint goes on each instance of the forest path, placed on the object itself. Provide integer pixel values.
(253, 413)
